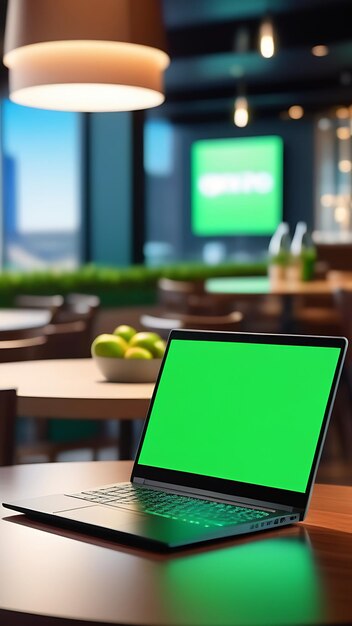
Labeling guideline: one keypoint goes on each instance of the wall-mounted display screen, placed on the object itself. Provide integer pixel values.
(236, 186)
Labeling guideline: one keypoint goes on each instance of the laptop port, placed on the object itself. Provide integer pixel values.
(276, 521)
(282, 519)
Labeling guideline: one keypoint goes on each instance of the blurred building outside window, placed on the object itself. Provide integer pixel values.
(41, 188)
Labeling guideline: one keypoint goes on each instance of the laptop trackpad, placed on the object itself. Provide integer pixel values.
(151, 527)
(112, 519)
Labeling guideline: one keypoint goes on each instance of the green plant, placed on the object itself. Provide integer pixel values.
(116, 286)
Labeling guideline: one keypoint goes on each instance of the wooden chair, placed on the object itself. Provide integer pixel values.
(50, 303)
(71, 333)
(14, 350)
(318, 315)
(70, 336)
(343, 414)
(22, 349)
(7, 426)
(343, 302)
(189, 297)
(81, 302)
(338, 256)
(315, 319)
(22, 344)
(67, 340)
(163, 324)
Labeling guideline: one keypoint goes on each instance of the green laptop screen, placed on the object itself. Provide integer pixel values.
(247, 412)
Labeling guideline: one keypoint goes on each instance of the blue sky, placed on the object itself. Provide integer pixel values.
(46, 146)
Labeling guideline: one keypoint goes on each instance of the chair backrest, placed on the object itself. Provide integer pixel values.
(22, 349)
(85, 307)
(343, 302)
(50, 303)
(82, 302)
(230, 321)
(178, 295)
(189, 297)
(338, 256)
(163, 324)
(71, 334)
(67, 340)
(7, 426)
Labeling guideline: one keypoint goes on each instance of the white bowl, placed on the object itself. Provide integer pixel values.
(128, 370)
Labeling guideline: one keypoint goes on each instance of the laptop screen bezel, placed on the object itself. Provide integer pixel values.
(271, 495)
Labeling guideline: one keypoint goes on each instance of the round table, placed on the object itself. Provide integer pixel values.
(68, 388)
(74, 388)
(297, 575)
(23, 319)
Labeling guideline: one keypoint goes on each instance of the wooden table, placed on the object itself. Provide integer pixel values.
(262, 285)
(74, 388)
(23, 319)
(232, 288)
(297, 575)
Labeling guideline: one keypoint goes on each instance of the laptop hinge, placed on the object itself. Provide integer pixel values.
(178, 489)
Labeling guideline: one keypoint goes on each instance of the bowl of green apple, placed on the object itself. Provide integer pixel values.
(128, 356)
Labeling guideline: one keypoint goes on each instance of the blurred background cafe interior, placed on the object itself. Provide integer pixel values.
(214, 193)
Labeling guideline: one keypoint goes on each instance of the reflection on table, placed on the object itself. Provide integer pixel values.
(296, 575)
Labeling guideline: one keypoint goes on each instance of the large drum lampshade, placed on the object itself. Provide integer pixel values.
(85, 55)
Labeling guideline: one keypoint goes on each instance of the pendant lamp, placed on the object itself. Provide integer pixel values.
(85, 55)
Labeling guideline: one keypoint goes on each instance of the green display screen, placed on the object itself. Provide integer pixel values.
(246, 412)
(236, 186)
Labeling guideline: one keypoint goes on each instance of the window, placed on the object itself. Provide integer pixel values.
(334, 183)
(42, 188)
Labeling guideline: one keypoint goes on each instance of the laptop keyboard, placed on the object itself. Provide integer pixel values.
(204, 513)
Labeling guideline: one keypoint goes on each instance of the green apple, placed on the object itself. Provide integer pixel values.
(138, 353)
(159, 348)
(145, 340)
(125, 331)
(109, 345)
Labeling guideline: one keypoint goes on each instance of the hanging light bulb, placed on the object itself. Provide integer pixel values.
(296, 112)
(240, 116)
(266, 39)
(85, 55)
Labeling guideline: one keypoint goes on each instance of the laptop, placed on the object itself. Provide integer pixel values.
(231, 443)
